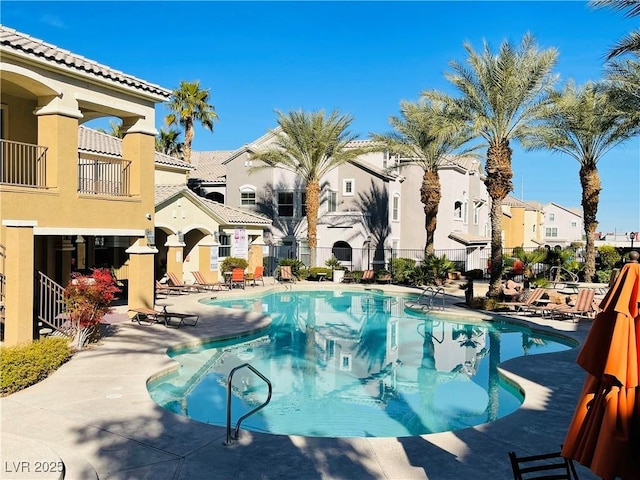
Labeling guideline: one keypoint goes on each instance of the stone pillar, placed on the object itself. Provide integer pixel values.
(204, 259)
(19, 271)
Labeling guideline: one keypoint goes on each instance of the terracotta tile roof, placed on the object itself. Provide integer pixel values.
(228, 215)
(20, 43)
(512, 201)
(208, 165)
(99, 143)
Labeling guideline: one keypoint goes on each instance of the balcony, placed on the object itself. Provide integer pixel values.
(22, 164)
(100, 175)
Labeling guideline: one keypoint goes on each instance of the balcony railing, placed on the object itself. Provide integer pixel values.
(23, 164)
(98, 175)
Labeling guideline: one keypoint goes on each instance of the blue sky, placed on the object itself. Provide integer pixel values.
(361, 58)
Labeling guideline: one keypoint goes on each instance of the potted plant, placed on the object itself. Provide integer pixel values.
(337, 269)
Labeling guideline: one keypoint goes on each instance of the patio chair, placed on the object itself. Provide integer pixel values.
(367, 276)
(544, 466)
(175, 282)
(256, 276)
(533, 297)
(151, 316)
(583, 306)
(348, 278)
(386, 278)
(148, 315)
(204, 284)
(163, 289)
(286, 275)
(237, 278)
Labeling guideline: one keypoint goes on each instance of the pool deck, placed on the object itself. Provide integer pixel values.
(95, 415)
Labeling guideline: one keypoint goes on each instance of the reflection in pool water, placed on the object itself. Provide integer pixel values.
(352, 363)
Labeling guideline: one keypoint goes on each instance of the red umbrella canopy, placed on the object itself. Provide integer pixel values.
(604, 434)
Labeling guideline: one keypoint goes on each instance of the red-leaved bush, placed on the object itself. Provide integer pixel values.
(88, 299)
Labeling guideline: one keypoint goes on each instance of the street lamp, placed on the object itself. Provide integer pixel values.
(632, 236)
(368, 252)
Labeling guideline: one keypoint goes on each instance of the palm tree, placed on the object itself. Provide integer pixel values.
(503, 94)
(115, 129)
(630, 43)
(310, 145)
(167, 142)
(624, 79)
(585, 124)
(190, 104)
(425, 134)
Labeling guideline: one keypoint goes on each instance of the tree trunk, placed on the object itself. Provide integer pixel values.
(188, 139)
(313, 202)
(498, 183)
(591, 186)
(430, 196)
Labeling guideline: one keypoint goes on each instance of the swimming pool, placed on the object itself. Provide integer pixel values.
(352, 364)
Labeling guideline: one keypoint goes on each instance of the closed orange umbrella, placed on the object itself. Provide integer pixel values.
(604, 434)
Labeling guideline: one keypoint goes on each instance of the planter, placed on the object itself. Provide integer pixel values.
(338, 275)
(454, 275)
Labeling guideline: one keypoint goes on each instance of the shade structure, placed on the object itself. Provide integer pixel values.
(604, 433)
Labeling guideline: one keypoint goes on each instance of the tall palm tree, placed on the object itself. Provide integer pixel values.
(167, 142)
(502, 96)
(624, 79)
(190, 104)
(585, 124)
(631, 42)
(310, 144)
(425, 134)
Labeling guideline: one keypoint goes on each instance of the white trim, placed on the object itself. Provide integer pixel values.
(141, 250)
(96, 232)
(247, 188)
(346, 181)
(19, 223)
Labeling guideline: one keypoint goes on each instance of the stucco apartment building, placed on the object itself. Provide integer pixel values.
(371, 204)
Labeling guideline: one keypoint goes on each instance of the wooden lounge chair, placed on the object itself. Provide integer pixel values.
(547, 465)
(348, 278)
(174, 281)
(286, 275)
(367, 276)
(237, 278)
(533, 297)
(386, 278)
(203, 284)
(256, 276)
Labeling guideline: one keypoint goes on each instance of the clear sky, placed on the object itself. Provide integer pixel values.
(361, 58)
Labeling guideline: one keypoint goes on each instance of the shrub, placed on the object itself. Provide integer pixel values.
(297, 267)
(313, 273)
(609, 257)
(229, 263)
(403, 270)
(435, 269)
(25, 365)
(484, 303)
(334, 264)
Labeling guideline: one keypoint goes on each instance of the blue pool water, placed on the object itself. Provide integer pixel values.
(352, 364)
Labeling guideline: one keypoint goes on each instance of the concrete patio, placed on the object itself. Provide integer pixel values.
(95, 416)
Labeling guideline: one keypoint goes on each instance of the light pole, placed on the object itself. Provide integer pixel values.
(368, 252)
(632, 236)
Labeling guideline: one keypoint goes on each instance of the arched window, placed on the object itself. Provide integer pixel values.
(457, 210)
(395, 211)
(215, 196)
(342, 251)
(247, 195)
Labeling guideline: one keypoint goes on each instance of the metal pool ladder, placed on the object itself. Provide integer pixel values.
(429, 294)
(231, 438)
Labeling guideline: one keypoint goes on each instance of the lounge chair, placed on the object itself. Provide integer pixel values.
(256, 276)
(174, 281)
(348, 278)
(151, 316)
(163, 289)
(286, 275)
(547, 465)
(237, 278)
(583, 306)
(203, 284)
(386, 278)
(533, 297)
(367, 276)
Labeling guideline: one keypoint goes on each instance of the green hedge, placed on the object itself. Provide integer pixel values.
(25, 365)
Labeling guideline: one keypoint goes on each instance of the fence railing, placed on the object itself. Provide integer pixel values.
(23, 164)
(99, 175)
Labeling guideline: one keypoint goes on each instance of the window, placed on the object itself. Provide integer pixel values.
(551, 232)
(385, 159)
(457, 210)
(395, 215)
(345, 362)
(332, 201)
(348, 187)
(551, 217)
(247, 195)
(574, 224)
(465, 212)
(225, 245)
(476, 213)
(3, 121)
(285, 204)
(303, 204)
